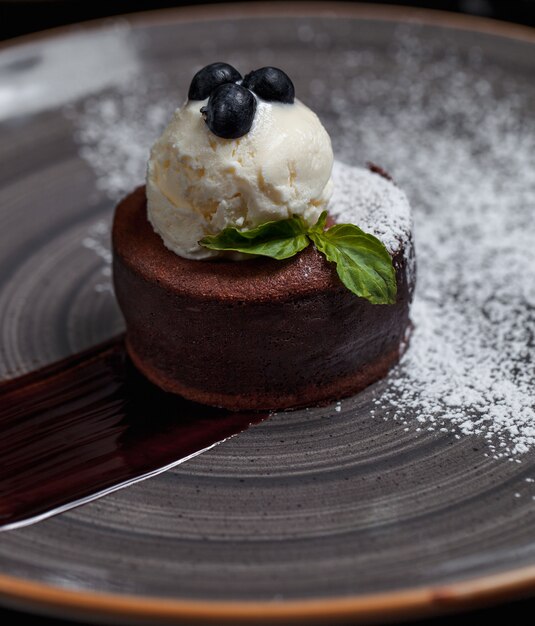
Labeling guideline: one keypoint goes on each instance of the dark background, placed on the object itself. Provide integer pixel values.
(18, 17)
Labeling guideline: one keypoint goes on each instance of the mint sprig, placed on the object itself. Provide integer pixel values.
(362, 262)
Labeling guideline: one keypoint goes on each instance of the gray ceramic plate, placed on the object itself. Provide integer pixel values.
(311, 515)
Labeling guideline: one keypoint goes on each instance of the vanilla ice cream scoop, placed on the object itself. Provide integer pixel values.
(199, 183)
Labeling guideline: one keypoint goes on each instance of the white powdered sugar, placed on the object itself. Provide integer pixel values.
(115, 134)
(98, 241)
(458, 135)
(375, 204)
(465, 155)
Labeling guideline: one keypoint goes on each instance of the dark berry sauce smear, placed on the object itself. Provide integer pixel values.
(90, 424)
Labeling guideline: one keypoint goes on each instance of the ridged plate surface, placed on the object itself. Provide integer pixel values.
(310, 504)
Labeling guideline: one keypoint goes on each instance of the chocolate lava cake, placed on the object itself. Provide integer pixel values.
(264, 333)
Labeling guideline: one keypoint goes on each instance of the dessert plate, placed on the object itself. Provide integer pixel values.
(413, 497)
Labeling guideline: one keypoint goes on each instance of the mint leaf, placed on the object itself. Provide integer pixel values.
(279, 240)
(362, 262)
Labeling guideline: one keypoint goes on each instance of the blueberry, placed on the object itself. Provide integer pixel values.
(270, 83)
(230, 111)
(210, 77)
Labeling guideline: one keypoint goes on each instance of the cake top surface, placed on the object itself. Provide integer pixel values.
(362, 195)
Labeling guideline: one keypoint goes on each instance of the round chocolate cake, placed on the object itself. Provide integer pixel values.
(264, 333)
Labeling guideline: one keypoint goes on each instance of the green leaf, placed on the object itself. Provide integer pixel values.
(362, 262)
(279, 240)
(319, 226)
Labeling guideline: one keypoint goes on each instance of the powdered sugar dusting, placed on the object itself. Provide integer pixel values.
(439, 121)
(462, 152)
(375, 204)
(97, 240)
(115, 133)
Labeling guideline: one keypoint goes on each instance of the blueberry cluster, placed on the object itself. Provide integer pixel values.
(231, 105)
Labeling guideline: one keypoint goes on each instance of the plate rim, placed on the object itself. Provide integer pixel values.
(243, 9)
(471, 592)
(369, 608)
